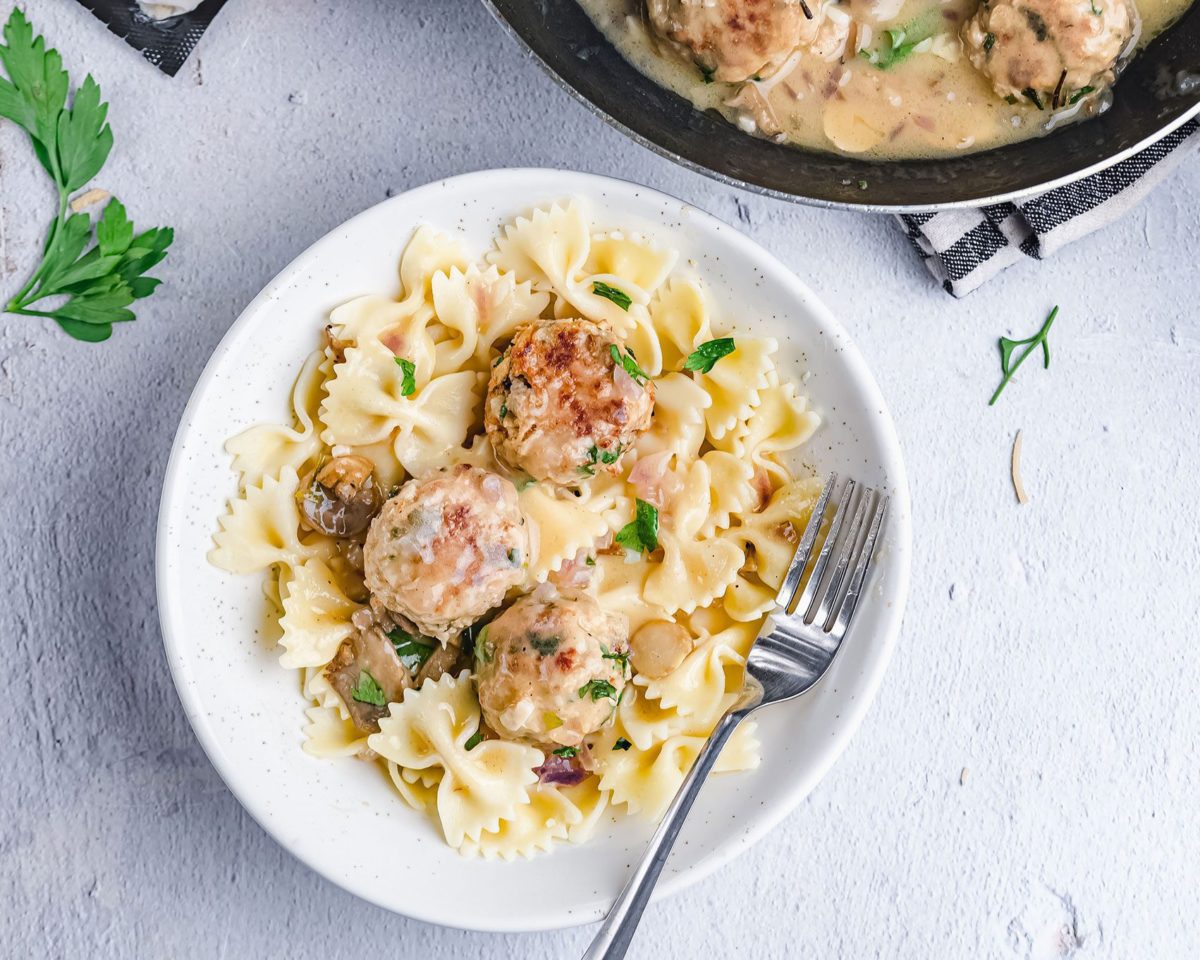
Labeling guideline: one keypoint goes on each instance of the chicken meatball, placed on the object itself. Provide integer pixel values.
(562, 403)
(446, 549)
(1049, 51)
(550, 671)
(734, 40)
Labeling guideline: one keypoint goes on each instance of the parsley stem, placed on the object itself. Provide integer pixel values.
(1039, 339)
(19, 300)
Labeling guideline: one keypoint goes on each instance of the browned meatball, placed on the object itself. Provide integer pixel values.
(733, 40)
(1049, 51)
(551, 670)
(559, 404)
(446, 549)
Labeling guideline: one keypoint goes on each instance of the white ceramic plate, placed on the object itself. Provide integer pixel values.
(341, 817)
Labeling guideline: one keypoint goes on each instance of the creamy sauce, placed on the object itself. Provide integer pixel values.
(932, 103)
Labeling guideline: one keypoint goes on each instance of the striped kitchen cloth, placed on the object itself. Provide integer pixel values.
(965, 248)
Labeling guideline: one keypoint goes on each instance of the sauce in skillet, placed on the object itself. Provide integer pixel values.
(885, 79)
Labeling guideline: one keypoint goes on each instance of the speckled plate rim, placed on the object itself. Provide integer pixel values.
(892, 589)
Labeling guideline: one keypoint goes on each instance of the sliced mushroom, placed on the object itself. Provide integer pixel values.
(368, 674)
(658, 647)
(340, 497)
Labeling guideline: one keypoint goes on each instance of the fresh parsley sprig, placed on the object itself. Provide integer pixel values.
(92, 283)
(641, 533)
(628, 362)
(619, 297)
(705, 356)
(1008, 366)
(599, 690)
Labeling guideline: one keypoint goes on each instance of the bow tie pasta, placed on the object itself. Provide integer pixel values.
(523, 528)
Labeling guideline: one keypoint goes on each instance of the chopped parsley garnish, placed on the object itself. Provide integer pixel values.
(503, 409)
(514, 557)
(641, 533)
(474, 740)
(599, 455)
(1032, 96)
(620, 658)
(408, 383)
(366, 690)
(1007, 347)
(622, 744)
(628, 362)
(566, 752)
(705, 356)
(544, 645)
(1080, 94)
(599, 690)
(590, 561)
(989, 41)
(412, 650)
(619, 297)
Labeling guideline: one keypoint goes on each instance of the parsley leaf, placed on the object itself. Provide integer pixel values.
(474, 740)
(622, 659)
(408, 371)
(619, 297)
(567, 752)
(622, 744)
(412, 650)
(705, 356)
(544, 645)
(641, 533)
(598, 690)
(1008, 366)
(72, 141)
(628, 362)
(366, 690)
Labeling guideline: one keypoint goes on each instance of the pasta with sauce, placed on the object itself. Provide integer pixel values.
(524, 528)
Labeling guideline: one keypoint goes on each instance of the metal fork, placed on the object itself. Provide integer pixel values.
(804, 635)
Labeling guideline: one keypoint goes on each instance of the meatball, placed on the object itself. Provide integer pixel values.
(734, 40)
(562, 403)
(1049, 51)
(551, 671)
(446, 549)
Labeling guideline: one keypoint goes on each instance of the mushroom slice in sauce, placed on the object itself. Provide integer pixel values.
(340, 497)
(367, 663)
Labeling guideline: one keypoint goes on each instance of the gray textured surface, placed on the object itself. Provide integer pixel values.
(1025, 786)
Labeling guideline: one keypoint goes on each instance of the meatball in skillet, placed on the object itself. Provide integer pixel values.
(1049, 52)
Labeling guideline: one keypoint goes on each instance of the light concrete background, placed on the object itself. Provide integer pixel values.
(1025, 785)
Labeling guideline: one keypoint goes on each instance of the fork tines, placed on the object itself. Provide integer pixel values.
(847, 545)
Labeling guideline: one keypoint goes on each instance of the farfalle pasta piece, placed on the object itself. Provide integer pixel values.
(702, 686)
(316, 616)
(774, 533)
(533, 827)
(632, 259)
(748, 598)
(646, 781)
(621, 586)
(327, 734)
(550, 249)
(264, 450)
(735, 385)
(559, 528)
(782, 422)
(731, 487)
(693, 572)
(417, 788)
(645, 721)
(479, 787)
(680, 317)
(680, 406)
(428, 253)
(262, 528)
(479, 309)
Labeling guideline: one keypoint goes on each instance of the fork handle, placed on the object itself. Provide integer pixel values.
(617, 931)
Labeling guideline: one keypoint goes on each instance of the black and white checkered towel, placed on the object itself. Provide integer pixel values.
(964, 248)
